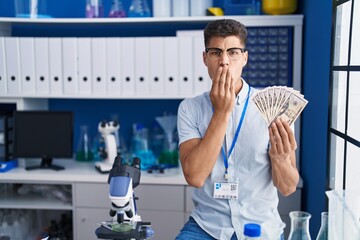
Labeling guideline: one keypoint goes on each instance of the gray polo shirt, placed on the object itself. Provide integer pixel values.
(249, 163)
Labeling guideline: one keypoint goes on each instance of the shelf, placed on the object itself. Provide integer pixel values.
(33, 202)
(248, 20)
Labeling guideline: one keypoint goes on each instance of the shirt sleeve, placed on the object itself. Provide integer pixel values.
(186, 121)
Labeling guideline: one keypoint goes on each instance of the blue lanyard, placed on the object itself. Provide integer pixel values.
(226, 163)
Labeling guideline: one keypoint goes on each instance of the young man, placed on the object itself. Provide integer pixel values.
(227, 152)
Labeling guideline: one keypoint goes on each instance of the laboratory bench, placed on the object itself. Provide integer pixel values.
(164, 199)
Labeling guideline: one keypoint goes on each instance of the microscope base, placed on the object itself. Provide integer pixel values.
(139, 233)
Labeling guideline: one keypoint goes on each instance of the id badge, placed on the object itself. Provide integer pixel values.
(226, 190)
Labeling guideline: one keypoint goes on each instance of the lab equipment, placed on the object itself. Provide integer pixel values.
(252, 231)
(83, 151)
(299, 225)
(94, 9)
(31, 9)
(45, 135)
(344, 214)
(140, 146)
(125, 222)
(117, 9)
(323, 232)
(170, 153)
(277, 7)
(107, 131)
(139, 8)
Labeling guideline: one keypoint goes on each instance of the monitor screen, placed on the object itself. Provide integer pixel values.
(43, 134)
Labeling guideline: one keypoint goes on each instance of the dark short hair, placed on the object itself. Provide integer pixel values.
(225, 28)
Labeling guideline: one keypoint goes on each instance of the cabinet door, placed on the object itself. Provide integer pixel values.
(87, 220)
(166, 224)
(92, 195)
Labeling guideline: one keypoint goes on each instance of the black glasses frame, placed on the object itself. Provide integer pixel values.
(242, 50)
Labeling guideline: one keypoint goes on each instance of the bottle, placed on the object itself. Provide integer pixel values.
(84, 151)
(139, 8)
(157, 140)
(252, 231)
(117, 10)
(323, 232)
(299, 225)
(94, 9)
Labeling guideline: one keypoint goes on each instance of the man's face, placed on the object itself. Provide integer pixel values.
(235, 66)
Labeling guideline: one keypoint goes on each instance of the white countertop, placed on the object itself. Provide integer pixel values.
(84, 172)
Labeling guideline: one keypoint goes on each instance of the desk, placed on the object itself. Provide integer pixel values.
(164, 199)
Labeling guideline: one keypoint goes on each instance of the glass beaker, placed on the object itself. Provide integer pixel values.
(323, 232)
(84, 151)
(299, 225)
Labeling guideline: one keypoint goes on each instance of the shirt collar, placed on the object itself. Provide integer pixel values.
(242, 95)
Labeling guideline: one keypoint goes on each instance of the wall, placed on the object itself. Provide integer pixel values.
(316, 62)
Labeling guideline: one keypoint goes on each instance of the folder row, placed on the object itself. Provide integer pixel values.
(131, 67)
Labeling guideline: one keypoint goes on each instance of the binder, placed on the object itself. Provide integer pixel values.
(127, 46)
(27, 65)
(202, 82)
(3, 88)
(42, 66)
(157, 67)
(98, 66)
(55, 67)
(142, 67)
(113, 66)
(186, 80)
(12, 59)
(70, 67)
(84, 63)
(171, 60)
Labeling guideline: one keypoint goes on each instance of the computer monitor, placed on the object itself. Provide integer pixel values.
(45, 135)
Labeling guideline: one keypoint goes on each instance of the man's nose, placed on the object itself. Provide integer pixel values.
(224, 59)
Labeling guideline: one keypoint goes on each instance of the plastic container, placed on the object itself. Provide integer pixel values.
(241, 7)
(31, 9)
(252, 231)
(344, 214)
(277, 7)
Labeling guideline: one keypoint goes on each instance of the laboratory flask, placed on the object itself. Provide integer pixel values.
(323, 232)
(139, 8)
(299, 225)
(83, 152)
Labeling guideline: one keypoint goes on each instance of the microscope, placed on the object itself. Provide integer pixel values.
(108, 133)
(125, 222)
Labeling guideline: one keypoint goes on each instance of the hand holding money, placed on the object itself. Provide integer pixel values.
(284, 102)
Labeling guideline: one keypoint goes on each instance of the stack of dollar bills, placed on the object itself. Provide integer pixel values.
(279, 101)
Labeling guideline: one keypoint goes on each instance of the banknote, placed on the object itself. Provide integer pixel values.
(279, 101)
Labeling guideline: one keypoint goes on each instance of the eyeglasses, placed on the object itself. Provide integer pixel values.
(233, 53)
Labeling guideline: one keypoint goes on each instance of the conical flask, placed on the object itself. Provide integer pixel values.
(323, 232)
(139, 8)
(299, 225)
(117, 9)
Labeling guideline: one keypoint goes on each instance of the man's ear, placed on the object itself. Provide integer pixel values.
(204, 58)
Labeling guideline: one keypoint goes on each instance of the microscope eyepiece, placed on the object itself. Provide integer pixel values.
(136, 162)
